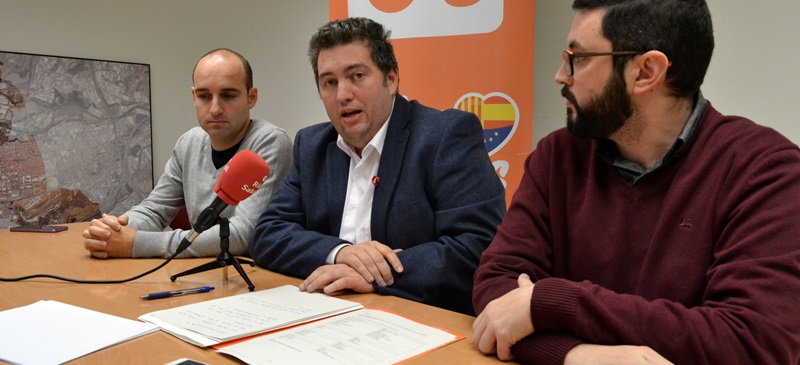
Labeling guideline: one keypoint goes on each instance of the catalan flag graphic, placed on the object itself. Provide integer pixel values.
(498, 114)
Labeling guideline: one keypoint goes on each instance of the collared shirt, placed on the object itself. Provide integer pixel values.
(633, 172)
(361, 183)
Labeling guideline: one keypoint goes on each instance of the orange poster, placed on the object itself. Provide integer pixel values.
(473, 55)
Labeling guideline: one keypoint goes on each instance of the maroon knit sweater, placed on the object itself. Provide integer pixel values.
(699, 261)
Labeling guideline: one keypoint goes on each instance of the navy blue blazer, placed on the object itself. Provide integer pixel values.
(439, 199)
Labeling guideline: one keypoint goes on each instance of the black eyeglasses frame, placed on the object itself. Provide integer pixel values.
(569, 57)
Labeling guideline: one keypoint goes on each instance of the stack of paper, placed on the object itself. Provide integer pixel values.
(50, 332)
(226, 319)
(364, 337)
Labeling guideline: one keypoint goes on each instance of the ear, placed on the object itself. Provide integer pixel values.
(252, 97)
(393, 80)
(651, 71)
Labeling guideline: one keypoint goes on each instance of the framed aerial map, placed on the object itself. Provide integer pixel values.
(75, 138)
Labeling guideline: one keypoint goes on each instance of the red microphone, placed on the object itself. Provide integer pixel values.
(240, 178)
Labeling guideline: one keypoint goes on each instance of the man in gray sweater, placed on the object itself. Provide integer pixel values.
(223, 94)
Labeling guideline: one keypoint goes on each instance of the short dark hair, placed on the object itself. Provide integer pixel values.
(248, 71)
(681, 29)
(340, 32)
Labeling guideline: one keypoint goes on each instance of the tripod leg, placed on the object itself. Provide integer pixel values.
(224, 259)
(245, 261)
(242, 273)
(204, 267)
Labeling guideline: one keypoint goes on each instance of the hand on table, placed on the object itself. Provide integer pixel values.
(505, 321)
(372, 260)
(590, 354)
(334, 278)
(109, 236)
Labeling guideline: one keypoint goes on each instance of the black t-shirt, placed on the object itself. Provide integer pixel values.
(220, 158)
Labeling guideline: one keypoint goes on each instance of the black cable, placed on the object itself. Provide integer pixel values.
(89, 281)
(208, 217)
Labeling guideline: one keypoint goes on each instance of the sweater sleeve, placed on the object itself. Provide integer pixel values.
(151, 217)
(155, 212)
(521, 245)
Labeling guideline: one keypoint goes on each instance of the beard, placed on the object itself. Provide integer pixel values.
(602, 115)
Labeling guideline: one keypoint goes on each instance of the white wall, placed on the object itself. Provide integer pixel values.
(553, 19)
(753, 71)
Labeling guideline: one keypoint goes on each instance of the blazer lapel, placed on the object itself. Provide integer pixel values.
(338, 166)
(394, 150)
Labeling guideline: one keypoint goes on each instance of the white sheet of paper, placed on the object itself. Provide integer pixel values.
(363, 337)
(220, 320)
(51, 332)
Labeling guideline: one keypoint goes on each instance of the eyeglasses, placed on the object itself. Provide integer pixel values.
(569, 56)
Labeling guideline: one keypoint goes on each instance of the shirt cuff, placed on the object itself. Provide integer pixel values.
(331, 259)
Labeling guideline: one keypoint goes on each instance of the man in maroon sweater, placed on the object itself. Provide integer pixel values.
(653, 229)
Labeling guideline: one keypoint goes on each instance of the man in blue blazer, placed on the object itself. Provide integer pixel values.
(390, 196)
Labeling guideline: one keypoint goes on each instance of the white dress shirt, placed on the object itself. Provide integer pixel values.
(361, 183)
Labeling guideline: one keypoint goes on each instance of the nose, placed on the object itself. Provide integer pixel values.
(344, 93)
(216, 108)
(561, 77)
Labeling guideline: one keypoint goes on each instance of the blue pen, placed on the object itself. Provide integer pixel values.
(175, 293)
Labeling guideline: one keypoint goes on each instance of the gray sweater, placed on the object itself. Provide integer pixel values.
(189, 179)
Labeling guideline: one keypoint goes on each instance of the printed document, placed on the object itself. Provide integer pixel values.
(220, 320)
(363, 337)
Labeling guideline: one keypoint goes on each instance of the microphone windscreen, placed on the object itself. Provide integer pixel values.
(241, 177)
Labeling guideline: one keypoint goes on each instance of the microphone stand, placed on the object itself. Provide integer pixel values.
(224, 259)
